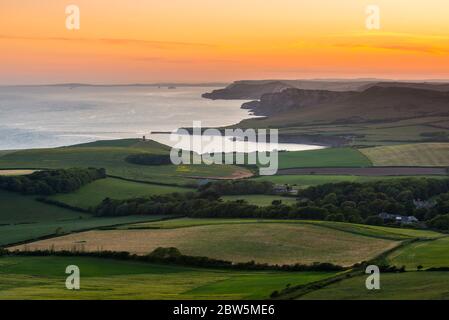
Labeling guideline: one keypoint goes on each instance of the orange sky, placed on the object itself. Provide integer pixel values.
(124, 41)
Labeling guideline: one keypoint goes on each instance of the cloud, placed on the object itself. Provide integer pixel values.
(115, 41)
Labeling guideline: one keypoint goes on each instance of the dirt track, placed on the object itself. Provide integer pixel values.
(373, 171)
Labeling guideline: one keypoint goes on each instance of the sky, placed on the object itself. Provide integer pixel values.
(145, 41)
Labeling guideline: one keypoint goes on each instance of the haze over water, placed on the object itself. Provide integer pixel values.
(52, 116)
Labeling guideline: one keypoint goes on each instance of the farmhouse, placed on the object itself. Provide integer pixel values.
(284, 188)
(398, 218)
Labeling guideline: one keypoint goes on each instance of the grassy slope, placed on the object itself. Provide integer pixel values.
(93, 193)
(112, 279)
(274, 243)
(332, 157)
(23, 218)
(427, 253)
(260, 200)
(402, 286)
(16, 208)
(424, 154)
(110, 155)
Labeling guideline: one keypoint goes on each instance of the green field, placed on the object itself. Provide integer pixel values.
(331, 157)
(23, 218)
(111, 156)
(394, 286)
(19, 209)
(423, 154)
(260, 199)
(92, 194)
(112, 279)
(429, 254)
(304, 181)
(273, 243)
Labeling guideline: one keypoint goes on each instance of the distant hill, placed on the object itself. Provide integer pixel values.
(373, 104)
(254, 89)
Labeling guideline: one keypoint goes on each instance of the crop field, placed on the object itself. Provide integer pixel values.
(113, 279)
(395, 286)
(111, 156)
(273, 243)
(15, 172)
(358, 229)
(423, 154)
(428, 254)
(92, 194)
(331, 157)
(260, 199)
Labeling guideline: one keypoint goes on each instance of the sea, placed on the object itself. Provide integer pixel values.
(62, 115)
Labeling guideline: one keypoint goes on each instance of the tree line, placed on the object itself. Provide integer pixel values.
(345, 201)
(48, 182)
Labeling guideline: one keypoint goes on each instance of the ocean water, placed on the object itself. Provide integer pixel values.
(53, 116)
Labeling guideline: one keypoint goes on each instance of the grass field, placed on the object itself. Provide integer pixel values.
(396, 286)
(304, 181)
(423, 154)
(19, 209)
(112, 279)
(92, 194)
(23, 218)
(428, 254)
(111, 156)
(273, 243)
(331, 157)
(260, 199)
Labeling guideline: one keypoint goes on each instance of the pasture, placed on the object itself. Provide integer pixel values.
(331, 157)
(272, 243)
(111, 156)
(428, 254)
(23, 218)
(260, 199)
(304, 181)
(394, 286)
(92, 194)
(114, 279)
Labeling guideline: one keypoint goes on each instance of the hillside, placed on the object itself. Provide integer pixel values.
(254, 89)
(377, 103)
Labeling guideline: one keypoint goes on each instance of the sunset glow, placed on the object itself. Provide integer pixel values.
(203, 40)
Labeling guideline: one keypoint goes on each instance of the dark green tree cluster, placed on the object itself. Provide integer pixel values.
(363, 202)
(238, 187)
(49, 182)
(346, 202)
(148, 159)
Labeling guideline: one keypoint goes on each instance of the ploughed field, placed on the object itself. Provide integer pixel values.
(266, 242)
(115, 279)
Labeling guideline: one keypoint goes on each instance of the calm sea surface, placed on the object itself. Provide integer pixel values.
(52, 116)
